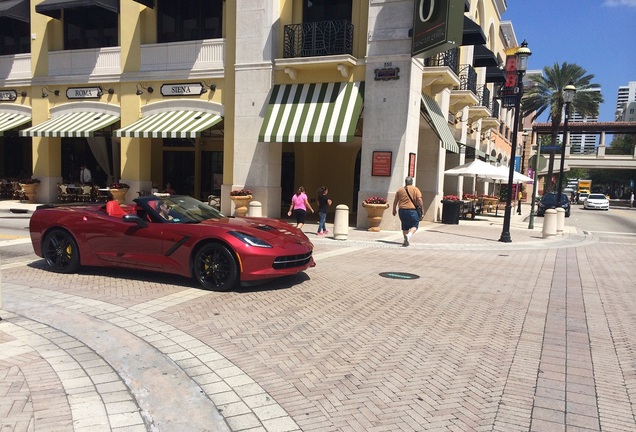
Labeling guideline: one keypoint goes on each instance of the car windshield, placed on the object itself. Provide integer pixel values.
(596, 196)
(551, 198)
(181, 208)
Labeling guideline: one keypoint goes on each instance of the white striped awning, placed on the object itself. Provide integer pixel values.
(72, 124)
(432, 113)
(171, 124)
(10, 120)
(323, 112)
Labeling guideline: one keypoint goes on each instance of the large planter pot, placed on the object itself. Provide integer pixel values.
(29, 190)
(119, 195)
(374, 215)
(241, 204)
(450, 211)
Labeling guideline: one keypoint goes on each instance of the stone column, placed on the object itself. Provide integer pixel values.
(247, 162)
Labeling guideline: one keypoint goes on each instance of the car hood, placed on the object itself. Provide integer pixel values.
(270, 230)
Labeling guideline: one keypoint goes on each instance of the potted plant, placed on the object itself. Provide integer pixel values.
(29, 187)
(118, 191)
(241, 199)
(450, 209)
(375, 207)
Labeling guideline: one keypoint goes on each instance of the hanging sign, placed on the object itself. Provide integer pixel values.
(84, 92)
(437, 26)
(8, 95)
(188, 89)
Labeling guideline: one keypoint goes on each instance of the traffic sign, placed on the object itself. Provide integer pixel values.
(542, 163)
(550, 148)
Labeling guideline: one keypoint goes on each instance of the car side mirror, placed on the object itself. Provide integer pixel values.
(135, 219)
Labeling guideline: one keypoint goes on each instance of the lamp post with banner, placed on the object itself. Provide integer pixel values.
(568, 97)
(516, 66)
(524, 136)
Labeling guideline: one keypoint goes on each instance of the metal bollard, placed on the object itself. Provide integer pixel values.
(560, 221)
(549, 223)
(255, 209)
(341, 222)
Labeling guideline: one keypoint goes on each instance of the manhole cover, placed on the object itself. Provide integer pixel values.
(398, 275)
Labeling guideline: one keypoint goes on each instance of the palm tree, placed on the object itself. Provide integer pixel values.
(547, 93)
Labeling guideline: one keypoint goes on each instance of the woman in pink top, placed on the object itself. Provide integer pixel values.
(299, 206)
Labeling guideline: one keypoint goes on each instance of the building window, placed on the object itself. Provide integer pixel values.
(14, 37)
(326, 10)
(189, 20)
(90, 27)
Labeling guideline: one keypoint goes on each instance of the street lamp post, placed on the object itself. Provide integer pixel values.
(524, 136)
(535, 183)
(521, 66)
(568, 97)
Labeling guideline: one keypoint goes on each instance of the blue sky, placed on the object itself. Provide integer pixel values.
(598, 35)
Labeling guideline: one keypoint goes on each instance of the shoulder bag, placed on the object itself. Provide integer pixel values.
(418, 208)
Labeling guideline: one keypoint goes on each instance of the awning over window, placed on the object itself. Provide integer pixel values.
(53, 8)
(432, 113)
(16, 9)
(171, 124)
(472, 34)
(324, 112)
(10, 120)
(483, 57)
(495, 75)
(73, 124)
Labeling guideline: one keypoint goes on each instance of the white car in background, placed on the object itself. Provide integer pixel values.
(596, 201)
(582, 197)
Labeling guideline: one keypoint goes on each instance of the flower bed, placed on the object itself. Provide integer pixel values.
(375, 200)
(242, 192)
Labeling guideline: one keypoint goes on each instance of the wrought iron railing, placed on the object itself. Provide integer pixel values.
(318, 39)
(468, 78)
(483, 93)
(448, 58)
(495, 108)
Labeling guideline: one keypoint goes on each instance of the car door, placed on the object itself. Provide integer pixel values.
(115, 241)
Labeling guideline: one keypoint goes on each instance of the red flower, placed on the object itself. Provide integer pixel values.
(451, 197)
(242, 192)
(375, 200)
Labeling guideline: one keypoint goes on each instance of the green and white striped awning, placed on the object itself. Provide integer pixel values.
(10, 120)
(323, 112)
(171, 124)
(432, 113)
(72, 124)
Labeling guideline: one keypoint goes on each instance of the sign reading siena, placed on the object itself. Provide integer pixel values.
(437, 26)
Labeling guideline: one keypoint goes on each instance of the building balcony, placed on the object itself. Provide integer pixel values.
(191, 56)
(15, 67)
(441, 69)
(318, 39)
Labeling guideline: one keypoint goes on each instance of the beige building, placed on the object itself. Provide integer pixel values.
(214, 95)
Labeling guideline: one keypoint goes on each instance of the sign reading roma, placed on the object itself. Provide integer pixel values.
(437, 26)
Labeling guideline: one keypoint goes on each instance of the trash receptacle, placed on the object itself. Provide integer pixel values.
(450, 211)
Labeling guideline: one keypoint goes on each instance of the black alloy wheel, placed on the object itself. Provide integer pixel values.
(215, 268)
(61, 252)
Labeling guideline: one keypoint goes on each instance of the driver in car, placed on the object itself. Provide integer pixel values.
(164, 211)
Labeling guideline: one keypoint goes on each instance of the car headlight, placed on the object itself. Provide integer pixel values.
(250, 240)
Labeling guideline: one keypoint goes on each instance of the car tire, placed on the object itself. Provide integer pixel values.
(60, 252)
(215, 267)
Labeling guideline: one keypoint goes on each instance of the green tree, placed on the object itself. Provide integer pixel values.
(547, 94)
(621, 145)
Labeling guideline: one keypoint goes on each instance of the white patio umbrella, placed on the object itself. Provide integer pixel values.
(517, 177)
(477, 169)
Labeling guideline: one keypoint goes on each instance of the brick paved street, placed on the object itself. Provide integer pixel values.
(535, 335)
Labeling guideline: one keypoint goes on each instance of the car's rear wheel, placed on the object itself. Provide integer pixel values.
(215, 267)
(61, 252)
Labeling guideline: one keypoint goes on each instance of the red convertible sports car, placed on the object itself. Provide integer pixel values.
(174, 234)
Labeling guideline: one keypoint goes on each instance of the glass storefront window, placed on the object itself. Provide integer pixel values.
(15, 37)
(90, 27)
(191, 20)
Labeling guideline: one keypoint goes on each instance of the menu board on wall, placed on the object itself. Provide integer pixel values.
(381, 165)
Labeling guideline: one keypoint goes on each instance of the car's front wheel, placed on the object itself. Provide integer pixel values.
(60, 251)
(215, 268)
